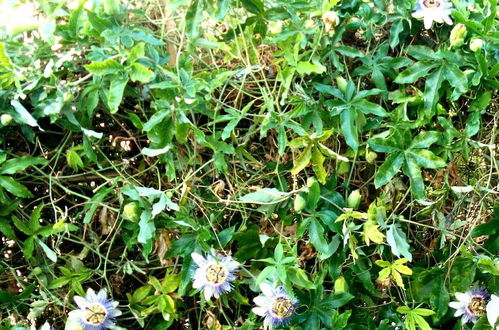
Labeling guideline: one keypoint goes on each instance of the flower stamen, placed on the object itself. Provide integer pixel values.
(283, 308)
(431, 3)
(477, 306)
(216, 274)
(95, 314)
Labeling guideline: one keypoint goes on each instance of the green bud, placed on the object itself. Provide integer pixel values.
(299, 203)
(342, 167)
(342, 84)
(476, 44)
(457, 35)
(371, 156)
(340, 285)
(353, 200)
(311, 181)
(6, 119)
(131, 211)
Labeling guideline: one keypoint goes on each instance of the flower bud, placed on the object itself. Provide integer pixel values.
(476, 44)
(131, 211)
(299, 203)
(371, 156)
(6, 119)
(340, 285)
(353, 200)
(275, 27)
(342, 84)
(457, 35)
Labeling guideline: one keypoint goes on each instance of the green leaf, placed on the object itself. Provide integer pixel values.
(370, 108)
(456, 77)
(265, 196)
(6, 229)
(432, 85)
(19, 164)
(384, 144)
(349, 128)
(462, 274)
(426, 158)
(425, 139)
(303, 160)
(349, 51)
(414, 72)
(14, 187)
(305, 68)
(23, 115)
(136, 53)
(154, 152)
(398, 242)
(317, 165)
(115, 95)
(140, 72)
(413, 171)
(388, 169)
(193, 18)
(103, 68)
(48, 251)
(74, 160)
(395, 30)
(316, 233)
(147, 227)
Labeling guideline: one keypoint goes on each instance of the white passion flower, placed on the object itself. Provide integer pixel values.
(275, 305)
(493, 310)
(433, 11)
(214, 275)
(95, 311)
(470, 305)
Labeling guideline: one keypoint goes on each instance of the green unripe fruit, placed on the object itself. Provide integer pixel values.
(353, 200)
(342, 167)
(342, 84)
(131, 211)
(6, 119)
(340, 285)
(299, 203)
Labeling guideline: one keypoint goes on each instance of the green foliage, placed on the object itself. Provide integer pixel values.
(334, 148)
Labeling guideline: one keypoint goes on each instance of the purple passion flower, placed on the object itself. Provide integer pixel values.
(433, 11)
(275, 305)
(95, 311)
(214, 275)
(470, 305)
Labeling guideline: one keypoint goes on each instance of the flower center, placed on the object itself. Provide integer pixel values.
(283, 308)
(477, 306)
(95, 313)
(216, 274)
(431, 3)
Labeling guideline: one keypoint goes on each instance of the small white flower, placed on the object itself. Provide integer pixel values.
(214, 275)
(433, 11)
(493, 310)
(95, 311)
(274, 305)
(470, 305)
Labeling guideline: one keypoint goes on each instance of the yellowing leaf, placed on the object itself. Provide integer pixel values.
(372, 233)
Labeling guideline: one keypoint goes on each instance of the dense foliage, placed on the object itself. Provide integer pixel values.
(344, 150)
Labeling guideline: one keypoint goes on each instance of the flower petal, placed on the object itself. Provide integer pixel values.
(263, 301)
(267, 290)
(198, 259)
(259, 311)
(80, 301)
